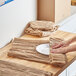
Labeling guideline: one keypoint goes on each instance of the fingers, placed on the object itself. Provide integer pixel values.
(59, 50)
(56, 51)
(57, 45)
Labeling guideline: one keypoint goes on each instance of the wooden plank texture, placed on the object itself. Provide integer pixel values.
(41, 66)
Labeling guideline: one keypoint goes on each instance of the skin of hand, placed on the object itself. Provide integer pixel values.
(61, 44)
(59, 50)
(64, 43)
(64, 49)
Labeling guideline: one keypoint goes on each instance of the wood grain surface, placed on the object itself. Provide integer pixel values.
(41, 66)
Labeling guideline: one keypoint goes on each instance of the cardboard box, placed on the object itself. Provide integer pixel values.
(53, 10)
(73, 2)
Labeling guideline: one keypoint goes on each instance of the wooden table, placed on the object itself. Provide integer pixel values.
(45, 67)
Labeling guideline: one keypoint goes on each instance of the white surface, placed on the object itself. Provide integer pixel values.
(64, 73)
(13, 18)
(69, 24)
(72, 69)
(73, 10)
(43, 49)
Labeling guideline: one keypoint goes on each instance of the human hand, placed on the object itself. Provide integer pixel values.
(60, 50)
(60, 44)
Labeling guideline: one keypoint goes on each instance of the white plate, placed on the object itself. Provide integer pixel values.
(43, 49)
